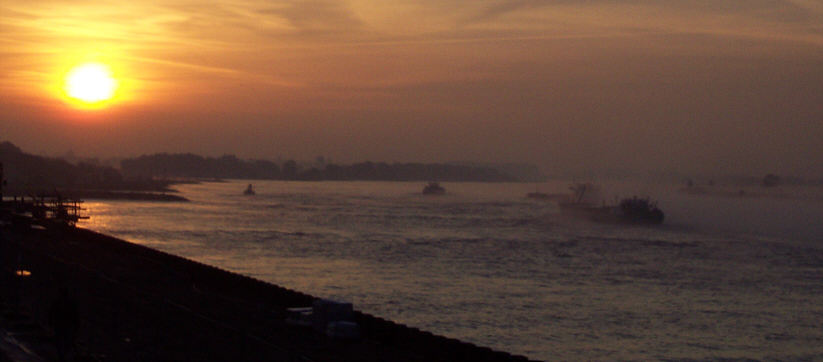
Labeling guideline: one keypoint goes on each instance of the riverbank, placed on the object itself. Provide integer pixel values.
(139, 304)
(125, 195)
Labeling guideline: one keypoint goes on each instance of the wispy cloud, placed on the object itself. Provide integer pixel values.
(316, 17)
(293, 43)
(768, 19)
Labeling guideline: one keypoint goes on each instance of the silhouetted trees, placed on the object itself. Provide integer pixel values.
(28, 173)
(31, 173)
(192, 166)
(290, 170)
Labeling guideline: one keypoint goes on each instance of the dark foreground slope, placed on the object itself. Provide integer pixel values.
(138, 304)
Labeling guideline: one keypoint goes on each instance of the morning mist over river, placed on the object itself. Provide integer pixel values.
(411, 181)
(731, 277)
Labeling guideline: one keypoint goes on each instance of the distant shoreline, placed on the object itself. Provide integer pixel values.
(167, 195)
(126, 195)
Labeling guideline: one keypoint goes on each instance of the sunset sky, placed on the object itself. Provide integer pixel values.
(665, 85)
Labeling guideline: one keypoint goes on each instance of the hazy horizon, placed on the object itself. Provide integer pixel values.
(690, 87)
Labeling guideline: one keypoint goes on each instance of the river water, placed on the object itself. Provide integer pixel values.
(722, 278)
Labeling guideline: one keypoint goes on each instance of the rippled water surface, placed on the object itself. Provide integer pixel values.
(724, 278)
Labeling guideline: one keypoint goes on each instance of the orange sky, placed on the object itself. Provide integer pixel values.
(693, 86)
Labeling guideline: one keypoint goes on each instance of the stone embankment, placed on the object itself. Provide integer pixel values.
(138, 304)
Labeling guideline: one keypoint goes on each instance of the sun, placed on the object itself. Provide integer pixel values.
(91, 84)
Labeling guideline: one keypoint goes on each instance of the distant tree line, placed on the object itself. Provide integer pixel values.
(28, 174)
(164, 165)
(31, 174)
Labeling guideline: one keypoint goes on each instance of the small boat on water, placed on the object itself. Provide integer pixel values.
(639, 211)
(249, 190)
(433, 188)
(632, 210)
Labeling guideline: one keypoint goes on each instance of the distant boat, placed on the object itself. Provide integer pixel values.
(632, 210)
(249, 190)
(637, 210)
(433, 188)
